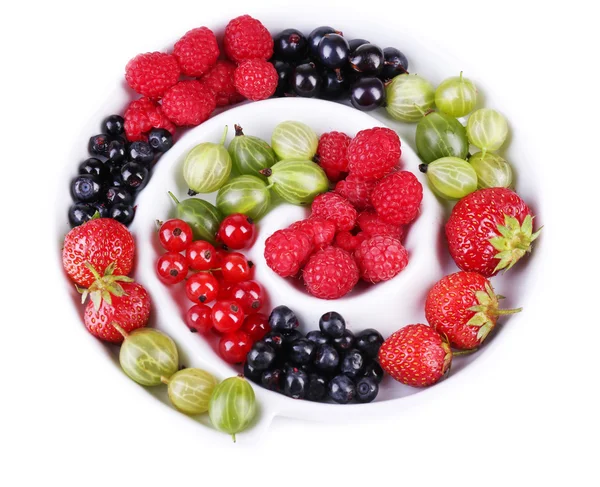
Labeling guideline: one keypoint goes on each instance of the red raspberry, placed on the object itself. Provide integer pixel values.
(330, 273)
(188, 103)
(374, 153)
(397, 198)
(219, 80)
(321, 231)
(349, 242)
(369, 222)
(356, 190)
(335, 208)
(197, 51)
(286, 251)
(246, 38)
(152, 73)
(143, 115)
(332, 153)
(256, 79)
(380, 258)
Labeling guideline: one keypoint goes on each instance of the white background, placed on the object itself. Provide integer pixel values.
(527, 415)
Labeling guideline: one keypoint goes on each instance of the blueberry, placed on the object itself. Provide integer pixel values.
(345, 342)
(290, 45)
(373, 370)
(295, 384)
(367, 59)
(341, 389)
(369, 341)
(98, 145)
(314, 38)
(117, 150)
(306, 80)
(394, 63)
(160, 140)
(140, 152)
(332, 324)
(302, 351)
(80, 213)
(317, 387)
(274, 339)
(95, 167)
(252, 373)
(367, 94)
(283, 319)
(366, 389)
(271, 379)
(317, 337)
(122, 213)
(289, 366)
(290, 336)
(327, 358)
(333, 51)
(353, 364)
(135, 176)
(261, 356)
(115, 178)
(86, 188)
(284, 72)
(115, 194)
(114, 125)
(355, 43)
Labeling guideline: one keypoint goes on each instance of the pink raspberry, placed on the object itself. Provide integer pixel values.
(197, 51)
(380, 258)
(189, 102)
(397, 198)
(374, 153)
(356, 190)
(332, 153)
(256, 79)
(349, 242)
(371, 225)
(141, 116)
(335, 208)
(219, 79)
(330, 273)
(152, 73)
(321, 231)
(246, 38)
(287, 250)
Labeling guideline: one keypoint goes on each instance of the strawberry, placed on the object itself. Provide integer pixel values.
(489, 230)
(99, 242)
(416, 355)
(464, 308)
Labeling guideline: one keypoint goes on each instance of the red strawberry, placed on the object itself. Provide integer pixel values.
(99, 242)
(490, 230)
(415, 355)
(464, 307)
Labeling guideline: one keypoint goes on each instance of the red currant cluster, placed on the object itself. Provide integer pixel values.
(217, 276)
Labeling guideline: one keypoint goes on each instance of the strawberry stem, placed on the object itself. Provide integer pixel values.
(460, 353)
(120, 330)
(501, 312)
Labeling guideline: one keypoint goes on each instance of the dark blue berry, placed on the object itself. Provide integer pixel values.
(86, 188)
(394, 63)
(115, 195)
(135, 176)
(272, 379)
(335, 84)
(342, 389)
(295, 384)
(117, 151)
(366, 389)
(369, 342)
(284, 72)
(115, 178)
(140, 152)
(314, 38)
(261, 356)
(98, 145)
(253, 374)
(333, 51)
(353, 364)
(306, 80)
(283, 319)
(317, 337)
(80, 213)
(327, 358)
(122, 213)
(160, 140)
(274, 339)
(332, 324)
(290, 45)
(102, 209)
(290, 336)
(317, 387)
(95, 167)
(373, 370)
(367, 59)
(355, 43)
(302, 351)
(113, 125)
(367, 94)
(345, 342)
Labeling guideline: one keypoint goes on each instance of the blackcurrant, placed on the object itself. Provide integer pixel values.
(114, 125)
(290, 45)
(367, 59)
(283, 319)
(353, 364)
(326, 358)
(314, 38)
(332, 324)
(290, 336)
(253, 374)
(342, 389)
(366, 389)
(135, 176)
(369, 341)
(333, 51)
(86, 188)
(117, 150)
(367, 94)
(115, 177)
(272, 379)
(160, 140)
(295, 384)
(141, 152)
(317, 337)
(95, 167)
(80, 213)
(374, 370)
(284, 71)
(335, 84)
(354, 43)
(101, 208)
(317, 387)
(302, 351)
(274, 339)
(306, 81)
(394, 63)
(98, 145)
(261, 356)
(122, 213)
(118, 195)
(345, 342)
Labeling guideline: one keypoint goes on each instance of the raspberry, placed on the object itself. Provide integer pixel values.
(286, 251)
(330, 273)
(335, 208)
(321, 231)
(143, 115)
(397, 198)
(197, 51)
(333, 174)
(380, 258)
(256, 79)
(219, 79)
(246, 38)
(188, 103)
(374, 153)
(357, 191)
(371, 225)
(152, 74)
(332, 152)
(349, 242)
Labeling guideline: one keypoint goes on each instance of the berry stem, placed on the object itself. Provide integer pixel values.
(173, 197)
(222, 142)
(460, 353)
(266, 172)
(238, 130)
(164, 380)
(120, 330)
(501, 312)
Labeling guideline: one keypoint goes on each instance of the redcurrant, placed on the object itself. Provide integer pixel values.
(224, 286)
(257, 326)
(175, 235)
(171, 268)
(201, 256)
(249, 294)
(202, 288)
(235, 267)
(227, 316)
(199, 318)
(236, 231)
(234, 346)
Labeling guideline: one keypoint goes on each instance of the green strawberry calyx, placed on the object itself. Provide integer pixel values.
(447, 357)
(103, 287)
(487, 311)
(514, 241)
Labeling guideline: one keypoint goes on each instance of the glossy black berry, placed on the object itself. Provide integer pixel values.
(327, 358)
(295, 384)
(117, 151)
(345, 342)
(272, 379)
(122, 213)
(283, 319)
(317, 337)
(367, 94)
(118, 195)
(274, 339)
(394, 63)
(160, 140)
(86, 188)
(317, 387)
(113, 125)
(290, 45)
(369, 341)
(367, 59)
(353, 364)
(314, 38)
(373, 370)
(290, 336)
(355, 43)
(115, 178)
(306, 80)
(341, 389)
(80, 213)
(253, 374)
(95, 167)
(333, 51)
(261, 356)
(334, 84)
(289, 366)
(135, 176)
(332, 324)
(366, 389)
(101, 208)
(284, 73)
(302, 351)
(141, 152)
(98, 145)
